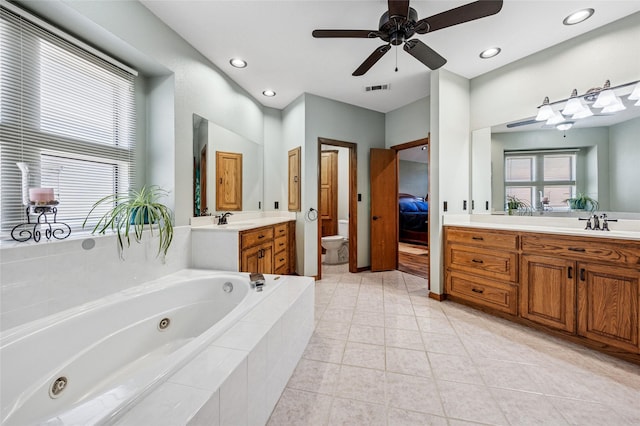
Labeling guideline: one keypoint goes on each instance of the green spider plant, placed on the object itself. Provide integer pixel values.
(135, 211)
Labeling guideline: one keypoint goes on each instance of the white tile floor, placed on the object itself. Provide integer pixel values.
(384, 354)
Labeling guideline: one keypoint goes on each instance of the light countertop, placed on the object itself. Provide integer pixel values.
(624, 229)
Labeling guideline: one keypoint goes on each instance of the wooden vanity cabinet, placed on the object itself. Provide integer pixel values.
(586, 288)
(267, 249)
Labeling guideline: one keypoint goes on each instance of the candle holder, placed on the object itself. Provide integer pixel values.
(34, 230)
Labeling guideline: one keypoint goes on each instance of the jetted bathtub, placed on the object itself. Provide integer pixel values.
(89, 364)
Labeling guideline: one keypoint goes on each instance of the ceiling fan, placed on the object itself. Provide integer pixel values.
(400, 23)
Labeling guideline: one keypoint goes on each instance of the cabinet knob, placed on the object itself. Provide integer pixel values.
(477, 261)
(475, 290)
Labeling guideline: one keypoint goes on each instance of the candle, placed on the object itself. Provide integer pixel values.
(41, 195)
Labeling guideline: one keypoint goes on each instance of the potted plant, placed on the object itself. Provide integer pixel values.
(137, 210)
(582, 202)
(515, 204)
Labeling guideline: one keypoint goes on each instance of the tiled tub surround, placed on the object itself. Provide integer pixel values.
(238, 379)
(240, 358)
(41, 279)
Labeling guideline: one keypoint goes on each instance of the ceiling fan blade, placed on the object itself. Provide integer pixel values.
(344, 33)
(468, 12)
(371, 60)
(398, 8)
(424, 54)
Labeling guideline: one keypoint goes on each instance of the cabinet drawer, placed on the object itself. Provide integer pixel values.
(486, 262)
(483, 238)
(493, 294)
(280, 260)
(596, 249)
(280, 230)
(258, 236)
(280, 244)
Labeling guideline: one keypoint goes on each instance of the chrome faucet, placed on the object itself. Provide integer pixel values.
(596, 222)
(256, 280)
(222, 219)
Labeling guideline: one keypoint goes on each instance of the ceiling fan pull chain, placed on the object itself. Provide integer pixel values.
(396, 58)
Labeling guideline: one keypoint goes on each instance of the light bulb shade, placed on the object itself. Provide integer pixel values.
(557, 118)
(544, 113)
(586, 112)
(574, 106)
(605, 99)
(637, 103)
(619, 106)
(564, 126)
(635, 95)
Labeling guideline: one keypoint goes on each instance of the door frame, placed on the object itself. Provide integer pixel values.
(412, 144)
(353, 202)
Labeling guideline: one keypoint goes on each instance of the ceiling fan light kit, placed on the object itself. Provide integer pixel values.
(400, 23)
(577, 106)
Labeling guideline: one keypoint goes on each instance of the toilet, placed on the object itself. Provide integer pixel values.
(337, 246)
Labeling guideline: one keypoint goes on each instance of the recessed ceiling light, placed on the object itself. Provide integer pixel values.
(490, 52)
(238, 63)
(269, 93)
(577, 17)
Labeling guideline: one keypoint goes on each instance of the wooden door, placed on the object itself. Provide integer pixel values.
(608, 299)
(548, 291)
(229, 181)
(294, 180)
(384, 209)
(329, 192)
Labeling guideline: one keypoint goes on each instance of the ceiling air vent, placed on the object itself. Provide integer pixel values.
(377, 87)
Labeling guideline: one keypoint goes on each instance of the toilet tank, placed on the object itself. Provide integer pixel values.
(343, 228)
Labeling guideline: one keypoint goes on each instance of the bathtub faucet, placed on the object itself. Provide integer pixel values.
(257, 281)
(223, 218)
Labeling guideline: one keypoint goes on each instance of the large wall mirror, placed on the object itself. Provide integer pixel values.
(210, 138)
(602, 152)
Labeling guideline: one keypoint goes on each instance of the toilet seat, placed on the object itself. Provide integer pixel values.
(333, 238)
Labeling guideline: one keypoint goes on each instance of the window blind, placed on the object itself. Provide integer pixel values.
(66, 113)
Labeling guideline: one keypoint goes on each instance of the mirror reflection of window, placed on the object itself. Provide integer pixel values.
(541, 177)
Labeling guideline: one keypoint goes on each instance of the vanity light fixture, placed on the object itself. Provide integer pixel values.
(606, 98)
(490, 52)
(578, 16)
(269, 93)
(238, 63)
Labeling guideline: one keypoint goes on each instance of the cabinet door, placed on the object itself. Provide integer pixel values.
(250, 259)
(608, 305)
(548, 291)
(266, 260)
(258, 259)
(294, 180)
(229, 181)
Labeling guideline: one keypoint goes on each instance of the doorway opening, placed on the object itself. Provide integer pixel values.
(413, 207)
(337, 203)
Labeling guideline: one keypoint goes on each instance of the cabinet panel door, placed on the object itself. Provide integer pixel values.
(250, 259)
(229, 181)
(548, 291)
(608, 305)
(294, 180)
(266, 261)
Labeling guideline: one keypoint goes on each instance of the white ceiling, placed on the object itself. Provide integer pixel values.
(274, 37)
